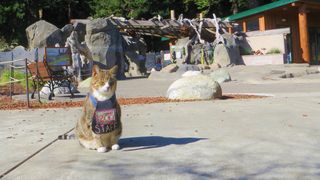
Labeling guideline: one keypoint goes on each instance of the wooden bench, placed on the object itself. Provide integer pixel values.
(46, 74)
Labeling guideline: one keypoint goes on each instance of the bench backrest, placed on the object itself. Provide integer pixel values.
(43, 71)
(57, 56)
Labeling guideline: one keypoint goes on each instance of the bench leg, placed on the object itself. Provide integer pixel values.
(69, 87)
(51, 88)
(34, 86)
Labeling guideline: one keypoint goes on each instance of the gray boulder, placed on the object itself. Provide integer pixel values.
(105, 43)
(135, 52)
(81, 30)
(187, 67)
(42, 34)
(63, 89)
(221, 55)
(228, 53)
(220, 75)
(171, 68)
(66, 31)
(194, 87)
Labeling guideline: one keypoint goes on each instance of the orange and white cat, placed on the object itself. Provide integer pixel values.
(100, 124)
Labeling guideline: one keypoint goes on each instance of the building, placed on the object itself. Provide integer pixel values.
(301, 16)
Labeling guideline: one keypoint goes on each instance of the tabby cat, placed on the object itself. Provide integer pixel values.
(100, 126)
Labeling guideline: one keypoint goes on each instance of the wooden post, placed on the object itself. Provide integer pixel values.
(201, 16)
(262, 23)
(27, 83)
(304, 34)
(244, 26)
(172, 15)
(11, 77)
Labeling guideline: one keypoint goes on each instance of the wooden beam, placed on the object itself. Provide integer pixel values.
(172, 15)
(304, 34)
(244, 26)
(262, 23)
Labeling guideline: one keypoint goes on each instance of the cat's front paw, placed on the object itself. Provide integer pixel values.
(115, 147)
(102, 149)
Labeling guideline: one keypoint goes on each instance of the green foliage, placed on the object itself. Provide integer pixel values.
(5, 77)
(4, 46)
(274, 51)
(17, 15)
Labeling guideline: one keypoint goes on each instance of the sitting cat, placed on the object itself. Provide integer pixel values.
(99, 126)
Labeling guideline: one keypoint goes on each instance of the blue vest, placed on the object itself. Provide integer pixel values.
(105, 118)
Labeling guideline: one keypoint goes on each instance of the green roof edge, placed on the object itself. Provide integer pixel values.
(259, 9)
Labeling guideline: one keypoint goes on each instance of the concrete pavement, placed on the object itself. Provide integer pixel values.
(230, 139)
(269, 138)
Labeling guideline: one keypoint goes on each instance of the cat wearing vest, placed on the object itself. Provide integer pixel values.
(99, 127)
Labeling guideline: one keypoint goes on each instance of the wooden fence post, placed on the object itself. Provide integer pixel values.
(27, 83)
(11, 77)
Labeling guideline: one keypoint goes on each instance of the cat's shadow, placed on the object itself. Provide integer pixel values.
(148, 142)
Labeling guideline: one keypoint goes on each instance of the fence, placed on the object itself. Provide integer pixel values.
(12, 80)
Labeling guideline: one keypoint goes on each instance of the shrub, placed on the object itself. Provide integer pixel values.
(5, 77)
(274, 51)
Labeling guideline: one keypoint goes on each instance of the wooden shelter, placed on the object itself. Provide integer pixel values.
(301, 16)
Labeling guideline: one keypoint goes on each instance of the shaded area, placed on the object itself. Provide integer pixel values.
(148, 142)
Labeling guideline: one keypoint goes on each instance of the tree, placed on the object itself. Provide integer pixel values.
(17, 15)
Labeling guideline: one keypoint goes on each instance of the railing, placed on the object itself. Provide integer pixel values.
(12, 80)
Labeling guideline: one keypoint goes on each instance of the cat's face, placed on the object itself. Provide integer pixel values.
(104, 82)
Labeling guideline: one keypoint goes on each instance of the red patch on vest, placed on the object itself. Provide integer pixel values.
(104, 117)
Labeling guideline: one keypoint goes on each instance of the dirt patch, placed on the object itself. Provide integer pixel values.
(9, 104)
(17, 89)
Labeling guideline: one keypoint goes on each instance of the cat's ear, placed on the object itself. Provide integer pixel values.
(114, 70)
(95, 70)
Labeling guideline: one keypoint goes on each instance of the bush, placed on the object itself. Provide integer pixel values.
(4, 46)
(274, 51)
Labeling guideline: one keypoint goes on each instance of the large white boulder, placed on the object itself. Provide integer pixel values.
(198, 87)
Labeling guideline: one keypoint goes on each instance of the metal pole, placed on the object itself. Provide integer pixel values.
(38, 74)
(27, 83)
(11, 76)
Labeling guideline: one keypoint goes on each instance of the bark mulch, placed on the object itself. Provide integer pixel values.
(10, 104)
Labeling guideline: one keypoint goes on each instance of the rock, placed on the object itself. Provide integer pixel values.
(228, 53)
(135, 52)
(220, 75)
(105, 43)
(59, 90)
(232, 43)
(195, 55)
(43, 34)
(221, 55)
(158, 75)
(195, 87)
(191, 73)
(170, 68)
(203, 67)
(81, 30)
(187, 67)
(214, 66)
(66, 31)
(85, 83)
